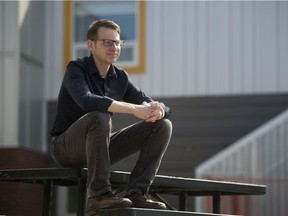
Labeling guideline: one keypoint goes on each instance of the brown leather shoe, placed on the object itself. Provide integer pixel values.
(141, 200)
(106, 200)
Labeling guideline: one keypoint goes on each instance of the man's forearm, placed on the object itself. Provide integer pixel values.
(121, 107)
(144, 111)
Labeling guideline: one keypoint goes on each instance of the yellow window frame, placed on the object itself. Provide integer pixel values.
(68, 42)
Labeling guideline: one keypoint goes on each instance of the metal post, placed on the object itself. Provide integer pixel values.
(46, 202)
(82, 192)
(216, 203)
(183, 201)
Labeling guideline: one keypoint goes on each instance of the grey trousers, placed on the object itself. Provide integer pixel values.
(90, 142)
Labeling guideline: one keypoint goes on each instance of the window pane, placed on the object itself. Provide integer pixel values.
(126, 54)
(123, 13)
(80, 52)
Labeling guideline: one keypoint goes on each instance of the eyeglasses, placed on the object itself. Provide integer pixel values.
(109, 43)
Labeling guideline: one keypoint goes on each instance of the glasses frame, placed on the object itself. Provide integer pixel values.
(109, 42)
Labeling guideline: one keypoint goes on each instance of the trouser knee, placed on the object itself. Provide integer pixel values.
(99, 120)
(166, 126)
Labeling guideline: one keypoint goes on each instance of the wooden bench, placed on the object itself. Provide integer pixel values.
(182, 187)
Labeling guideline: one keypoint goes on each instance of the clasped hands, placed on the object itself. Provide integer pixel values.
(150, 112)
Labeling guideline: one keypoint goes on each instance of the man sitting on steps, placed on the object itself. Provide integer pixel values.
(92, 89)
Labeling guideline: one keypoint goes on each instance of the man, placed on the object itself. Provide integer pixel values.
(92, 89)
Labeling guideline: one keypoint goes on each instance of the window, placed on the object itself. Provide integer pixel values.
(130, 15)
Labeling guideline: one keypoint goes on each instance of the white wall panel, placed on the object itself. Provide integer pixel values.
(203, 57)
(32, 41)
(9, 75)
(165, 44)
(235, 68)
(1, 73)
(212, 48)
(53, 70)
(10, 103)
(190, 38)
(248, 47)
(282, 45)
(152, 79)
(173, 69)
(266, 47)
(155, 49)
(220, 48)
(2, 22)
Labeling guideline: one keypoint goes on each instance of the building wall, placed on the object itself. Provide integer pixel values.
(211, 48)
(193, 48)
(18, 198)
(32, 46)
(215, 47)
(22, 46)
(21, 102)
(9, 74)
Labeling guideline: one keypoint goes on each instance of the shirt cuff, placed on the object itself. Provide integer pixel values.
(106, 102)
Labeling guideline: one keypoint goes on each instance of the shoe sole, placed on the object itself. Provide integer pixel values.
(149, 206)
(95, 212)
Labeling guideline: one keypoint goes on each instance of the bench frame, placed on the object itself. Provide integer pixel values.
(183, 187)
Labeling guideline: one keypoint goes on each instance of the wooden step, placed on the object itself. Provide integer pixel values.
(151, 212)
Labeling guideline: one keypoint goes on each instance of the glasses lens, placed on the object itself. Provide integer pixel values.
(109, 43)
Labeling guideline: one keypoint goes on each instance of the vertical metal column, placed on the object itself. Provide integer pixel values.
(183, 201)
(46, 202)
(217, 202)
(82, 192)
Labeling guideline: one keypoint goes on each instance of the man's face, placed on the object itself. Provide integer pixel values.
(106, 49)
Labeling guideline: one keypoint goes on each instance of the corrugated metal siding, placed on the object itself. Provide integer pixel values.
(211, 48)
(1, 73)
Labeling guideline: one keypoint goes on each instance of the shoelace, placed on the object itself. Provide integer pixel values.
(143, 194)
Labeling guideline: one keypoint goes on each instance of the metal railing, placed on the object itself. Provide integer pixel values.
(259, 157)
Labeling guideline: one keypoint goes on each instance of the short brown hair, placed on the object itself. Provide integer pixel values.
(92, 32)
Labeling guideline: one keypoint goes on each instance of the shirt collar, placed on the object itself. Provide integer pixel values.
(92, 68)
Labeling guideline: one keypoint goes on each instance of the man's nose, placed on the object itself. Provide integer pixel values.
(114, 45)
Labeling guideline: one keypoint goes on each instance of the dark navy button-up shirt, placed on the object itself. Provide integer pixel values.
(83, 90)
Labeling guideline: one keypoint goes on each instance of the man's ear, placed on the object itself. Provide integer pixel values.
(90, 44)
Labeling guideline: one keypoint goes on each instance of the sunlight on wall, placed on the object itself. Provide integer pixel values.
(23, 7)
